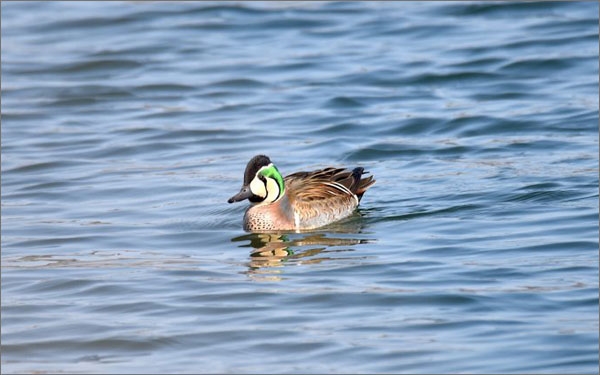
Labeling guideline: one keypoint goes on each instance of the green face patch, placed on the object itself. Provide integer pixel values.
(271, 171)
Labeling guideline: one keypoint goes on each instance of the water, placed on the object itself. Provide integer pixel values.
(126, 126)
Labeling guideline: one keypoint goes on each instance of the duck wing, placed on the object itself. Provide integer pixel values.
(333, 191)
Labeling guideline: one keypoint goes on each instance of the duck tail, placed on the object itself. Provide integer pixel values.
(360, 185)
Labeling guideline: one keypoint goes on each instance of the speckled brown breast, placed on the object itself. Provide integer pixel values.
(267, 218)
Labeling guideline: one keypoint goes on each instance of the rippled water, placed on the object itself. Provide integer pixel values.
(127, 125)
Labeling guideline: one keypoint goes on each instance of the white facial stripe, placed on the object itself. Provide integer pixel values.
(258, 187)
(272, 190)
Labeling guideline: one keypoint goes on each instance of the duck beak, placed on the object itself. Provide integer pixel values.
(245, 193)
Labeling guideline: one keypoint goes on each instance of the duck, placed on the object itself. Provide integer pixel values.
(300, 201)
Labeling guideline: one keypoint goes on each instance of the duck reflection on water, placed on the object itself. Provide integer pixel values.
(270, 252)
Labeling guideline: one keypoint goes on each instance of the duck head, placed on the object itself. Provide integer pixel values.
(262, 182)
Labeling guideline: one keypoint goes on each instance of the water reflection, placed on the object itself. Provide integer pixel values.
(270, 252)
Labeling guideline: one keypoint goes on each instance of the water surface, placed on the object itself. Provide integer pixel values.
(126, 126)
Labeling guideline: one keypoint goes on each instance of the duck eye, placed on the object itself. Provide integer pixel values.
(262, 178)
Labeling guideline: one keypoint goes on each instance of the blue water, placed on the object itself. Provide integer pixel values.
(126, 126)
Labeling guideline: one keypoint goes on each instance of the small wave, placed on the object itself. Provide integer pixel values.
(164, 88)
(538, 65)
(291, 23)
(93, 66)
(239, 83)
(507, 9)
(401, 151)
(343, 102)
(44, 166)
(87, 22)
(189, 135)
(544, 196)
(230, 9)
(116, 344)
(448, 78)
(419, 214)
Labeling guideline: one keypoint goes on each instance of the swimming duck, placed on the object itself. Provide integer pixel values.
(300, 201)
